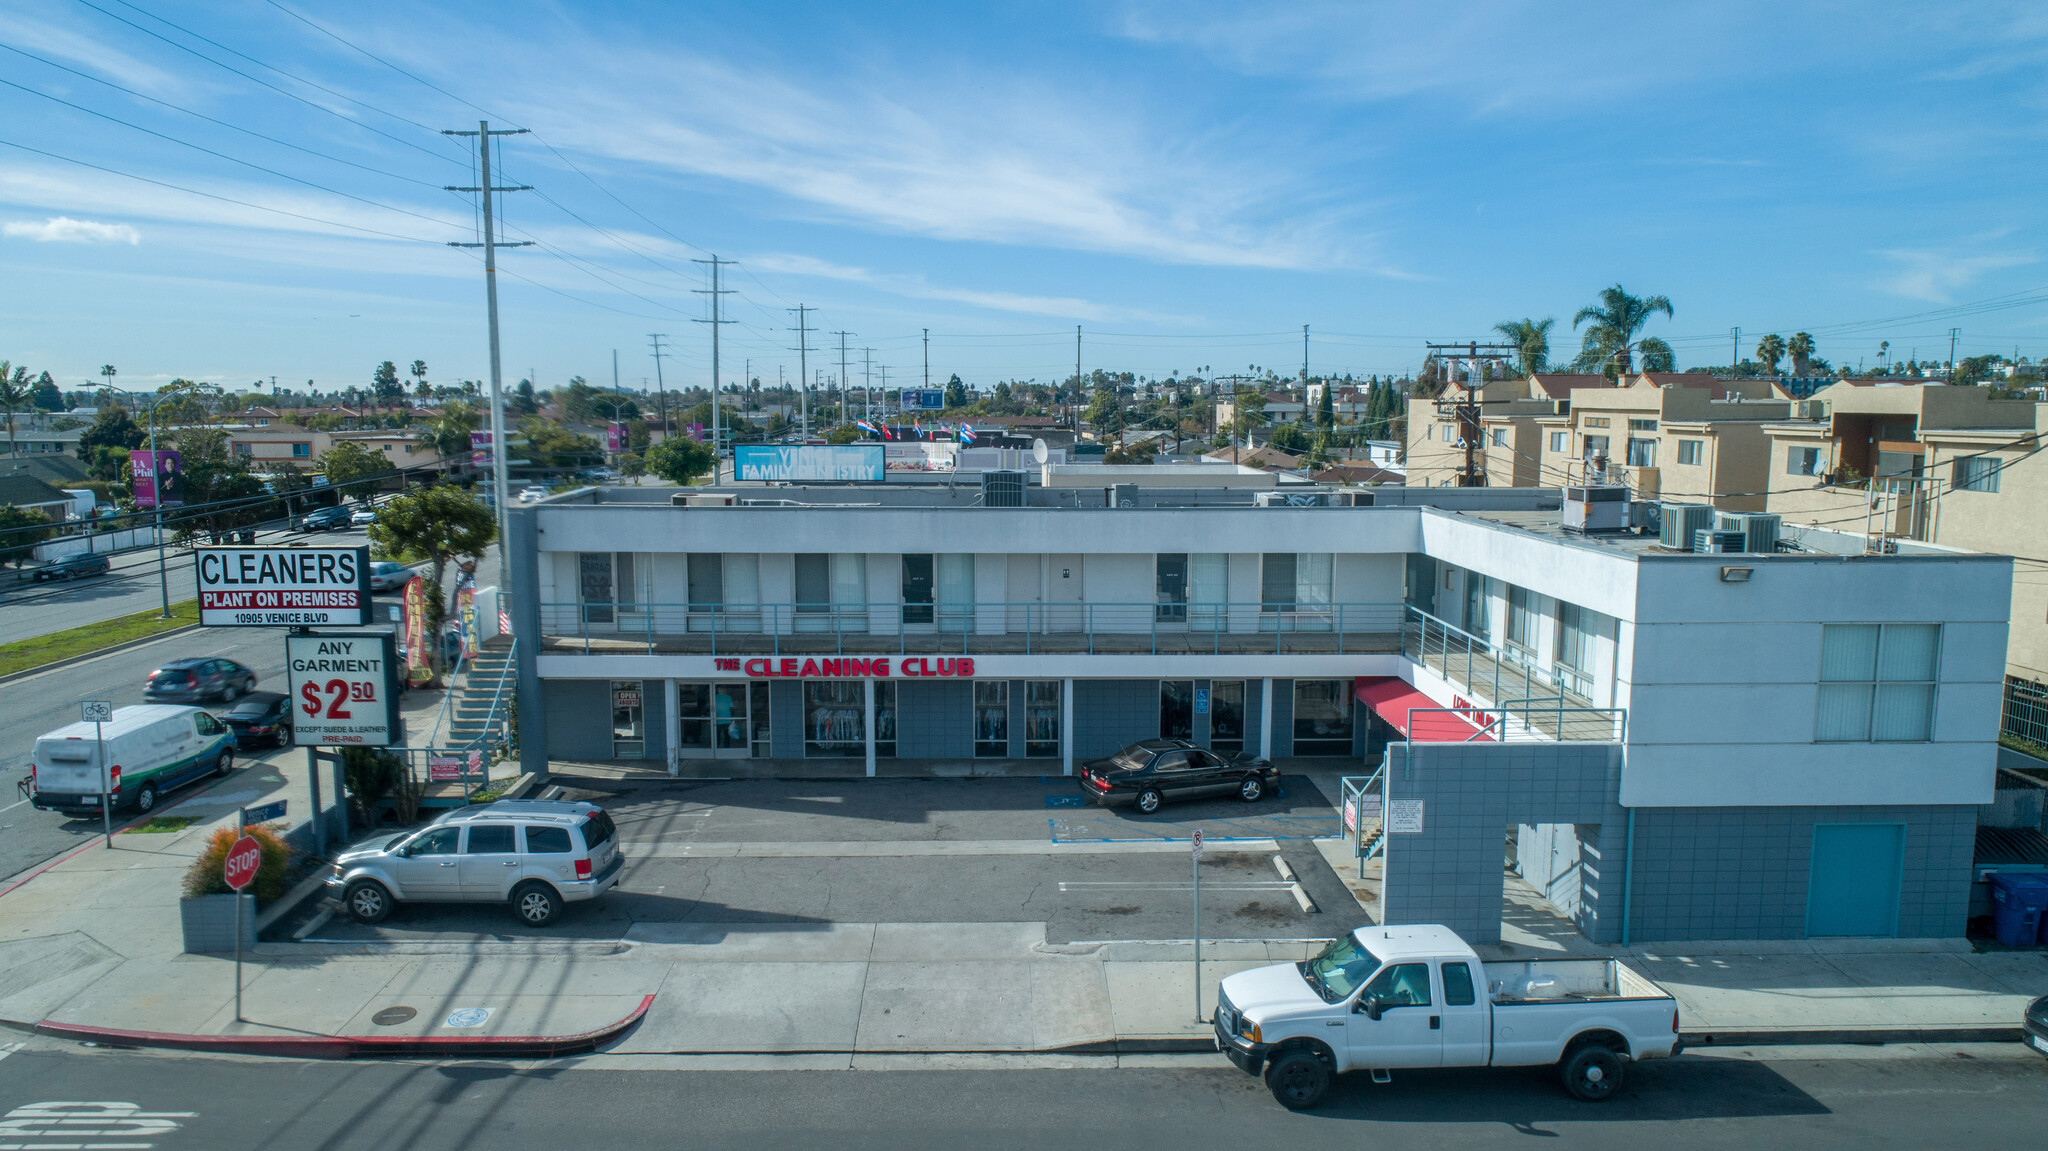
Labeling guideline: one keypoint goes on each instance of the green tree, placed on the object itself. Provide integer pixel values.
(679, 459)
(550, 445)
(1290, 438)
(843, 434)
(522, 399)
(956, 392)
(384, 383)
(448, 434)
(1106, 413)
(422, 389)
(1531, 338)
(1975, 370)
(1326, 408)
(1801, 350)
(21, 529)
(47, 397)
(352, 469)
(437, 524)
(214, 474)
(1769, 351)
(575, 400)
(103, 448)
(15, 394)
(633, 465)
(1611, 343)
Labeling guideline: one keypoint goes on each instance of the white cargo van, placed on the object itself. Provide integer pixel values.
(150, 749)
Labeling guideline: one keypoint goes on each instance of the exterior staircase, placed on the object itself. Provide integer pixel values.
(492, 679)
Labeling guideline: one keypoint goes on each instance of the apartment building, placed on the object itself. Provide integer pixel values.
(275, 447)
(1945, 465)
(1688, 438)
(1683, 746)
(1510, 447)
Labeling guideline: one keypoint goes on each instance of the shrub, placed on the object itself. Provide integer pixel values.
(272, 878)
(371, 774)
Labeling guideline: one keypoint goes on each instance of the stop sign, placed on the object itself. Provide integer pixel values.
(243, 860)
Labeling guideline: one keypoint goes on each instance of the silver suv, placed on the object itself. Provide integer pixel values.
(534, 854)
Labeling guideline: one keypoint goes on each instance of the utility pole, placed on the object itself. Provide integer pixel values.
(803, 371)
(500, 487)
(867, 380)
(1476, 356)
(1073, 412)
(927, 357)
(660, 385)
(845, 402)
(1952, 334)
(615, 369)
(715, 321)
(1735, 354)
(1304, 361)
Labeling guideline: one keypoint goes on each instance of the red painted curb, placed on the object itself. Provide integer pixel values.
(354, 1046)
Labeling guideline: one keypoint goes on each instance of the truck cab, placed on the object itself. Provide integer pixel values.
(1384, 998)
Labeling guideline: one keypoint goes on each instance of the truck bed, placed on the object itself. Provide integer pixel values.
(1566, 980)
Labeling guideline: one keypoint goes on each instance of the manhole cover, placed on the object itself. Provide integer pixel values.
(392, 1016)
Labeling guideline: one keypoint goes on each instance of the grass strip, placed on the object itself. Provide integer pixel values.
(163, 823)
(24, 654)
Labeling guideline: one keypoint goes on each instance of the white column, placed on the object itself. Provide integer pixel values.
(1266, 718)
(1066, 727)
(868, 702)
(673, 724)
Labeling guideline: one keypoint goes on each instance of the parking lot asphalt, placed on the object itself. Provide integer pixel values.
(930, 851)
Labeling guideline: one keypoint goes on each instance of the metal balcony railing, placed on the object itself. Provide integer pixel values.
(972, 629)
(1530, 702)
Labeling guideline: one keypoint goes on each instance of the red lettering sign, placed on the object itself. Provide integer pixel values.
(912, 667)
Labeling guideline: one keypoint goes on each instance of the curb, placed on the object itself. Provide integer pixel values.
(67, 661)
(1853, 1037)
(350, 1046)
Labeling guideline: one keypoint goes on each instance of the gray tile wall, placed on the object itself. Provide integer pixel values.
(1283, 717)
(1109, 713)
(935, 720)
(786, 718)
(579, 718)
(654, 718)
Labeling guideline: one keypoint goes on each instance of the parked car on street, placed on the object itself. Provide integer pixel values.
(326, 519)
(533, 494)
(194, 680)
(77, 565)
(1382, 998)
(388, 576)
(2036, 1024)
(261, 717)
(363, 517)
(1148, 773)
(148, 749)
(535, 855)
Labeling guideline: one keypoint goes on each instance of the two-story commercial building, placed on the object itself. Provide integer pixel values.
(1703, 746)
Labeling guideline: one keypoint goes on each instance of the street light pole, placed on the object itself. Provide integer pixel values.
(156, 505)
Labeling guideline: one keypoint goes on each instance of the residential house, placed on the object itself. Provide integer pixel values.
(1685, 437)
(1510, 453)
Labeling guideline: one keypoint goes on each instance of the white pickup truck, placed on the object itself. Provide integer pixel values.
(1418, 996)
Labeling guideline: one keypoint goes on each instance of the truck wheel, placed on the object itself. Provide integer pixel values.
(535, 904)
(1298, 1080)
(367, 901)
(1252, 789)
(146, 798)
(1593, 1073)
(1149, 800)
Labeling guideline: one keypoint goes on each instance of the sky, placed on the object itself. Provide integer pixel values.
(238, 190)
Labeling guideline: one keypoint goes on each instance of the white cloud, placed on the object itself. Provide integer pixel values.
(65, 230)
(917, 287)
(1935, 274)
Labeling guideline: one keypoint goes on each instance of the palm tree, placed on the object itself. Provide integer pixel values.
(1532, 343)
(1801, 351)
(15, 394)
(1770, 350)
(419, 372)
(1611, 345)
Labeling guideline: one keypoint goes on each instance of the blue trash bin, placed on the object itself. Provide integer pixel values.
(2017, 902)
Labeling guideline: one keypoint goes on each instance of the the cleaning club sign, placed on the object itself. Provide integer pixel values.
(284, 587)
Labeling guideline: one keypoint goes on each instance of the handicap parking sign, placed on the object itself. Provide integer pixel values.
(1201, 701)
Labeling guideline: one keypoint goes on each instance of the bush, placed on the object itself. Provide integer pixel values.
(371, 774)
(272, 878)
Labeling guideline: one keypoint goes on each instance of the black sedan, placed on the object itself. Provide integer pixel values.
(77, 565)
(261, 717)
(1148, 773)
(192, 680)
(326, 520)
(2036, 1024)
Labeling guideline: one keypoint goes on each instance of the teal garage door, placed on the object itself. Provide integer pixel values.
(1854, 889)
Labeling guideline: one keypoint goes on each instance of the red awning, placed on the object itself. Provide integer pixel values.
(1394, 699)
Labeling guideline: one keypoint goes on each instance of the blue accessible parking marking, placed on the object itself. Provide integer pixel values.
(1065, 801)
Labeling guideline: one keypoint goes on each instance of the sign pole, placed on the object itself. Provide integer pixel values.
(239, 869)
(241, 827)
(99, 735)
(1195, 861)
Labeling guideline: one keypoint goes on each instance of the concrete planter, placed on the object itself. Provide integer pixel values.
(209, 923)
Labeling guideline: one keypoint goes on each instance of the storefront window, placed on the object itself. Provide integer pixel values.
(729, 719)
(835, 718)
(1042, 718)
(1226, 716)
(1322, 717)
(1177, 709)
(917, 589)
(693, 711)
(991, 719)
(885, 719)
(629, 738)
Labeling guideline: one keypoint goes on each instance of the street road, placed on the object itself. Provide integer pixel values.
(1895, 1098)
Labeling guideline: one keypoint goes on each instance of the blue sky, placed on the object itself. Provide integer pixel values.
(1190, 182)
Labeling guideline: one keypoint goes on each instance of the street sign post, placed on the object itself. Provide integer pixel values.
(283, 587)
(244, 860)
(97, 712)
(1195, 859)
(263, 814)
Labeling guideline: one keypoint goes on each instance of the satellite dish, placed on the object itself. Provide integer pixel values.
(1039, 451)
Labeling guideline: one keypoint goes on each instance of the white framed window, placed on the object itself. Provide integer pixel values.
(1635, 425)
(1802, 461)
(1692, 452)
(1877, 683)
(1977, 474)
(1642, 453)
(1597, 421)
(1521, 617)
(1500, 437)
(1558, 440)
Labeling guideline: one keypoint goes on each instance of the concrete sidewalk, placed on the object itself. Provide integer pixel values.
(93, 941)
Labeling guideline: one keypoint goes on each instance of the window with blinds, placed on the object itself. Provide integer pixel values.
(1877, 683)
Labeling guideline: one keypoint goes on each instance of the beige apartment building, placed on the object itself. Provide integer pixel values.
(1942, 465)
(1682, 437)
(280, 446)
(1510, 451)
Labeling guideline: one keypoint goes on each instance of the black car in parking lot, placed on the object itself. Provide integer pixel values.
(77, 565)
(261, 717)
(326, 519)
(1148, 773)
(2036, 1024)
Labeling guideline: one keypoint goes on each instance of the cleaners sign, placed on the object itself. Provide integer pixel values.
(344, 690)
(284, 587)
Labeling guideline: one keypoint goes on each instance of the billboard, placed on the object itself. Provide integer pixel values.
(344, 690)
(614, 438)
(480, 449)
(158, 478)
(846, 462)
(283, 587)
(923, 400)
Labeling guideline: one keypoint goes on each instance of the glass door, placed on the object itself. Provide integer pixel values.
(1226, 716)
(629, 734)
(722, 720)
(693, 710)
(732, 731)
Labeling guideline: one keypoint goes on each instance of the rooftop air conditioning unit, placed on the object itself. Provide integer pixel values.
(1680, 521)
(1714, 541)
(1123, 495)
(1596, 508)
(699, 500)
(1759, 529)
(1292, 499)
(1003, 489)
